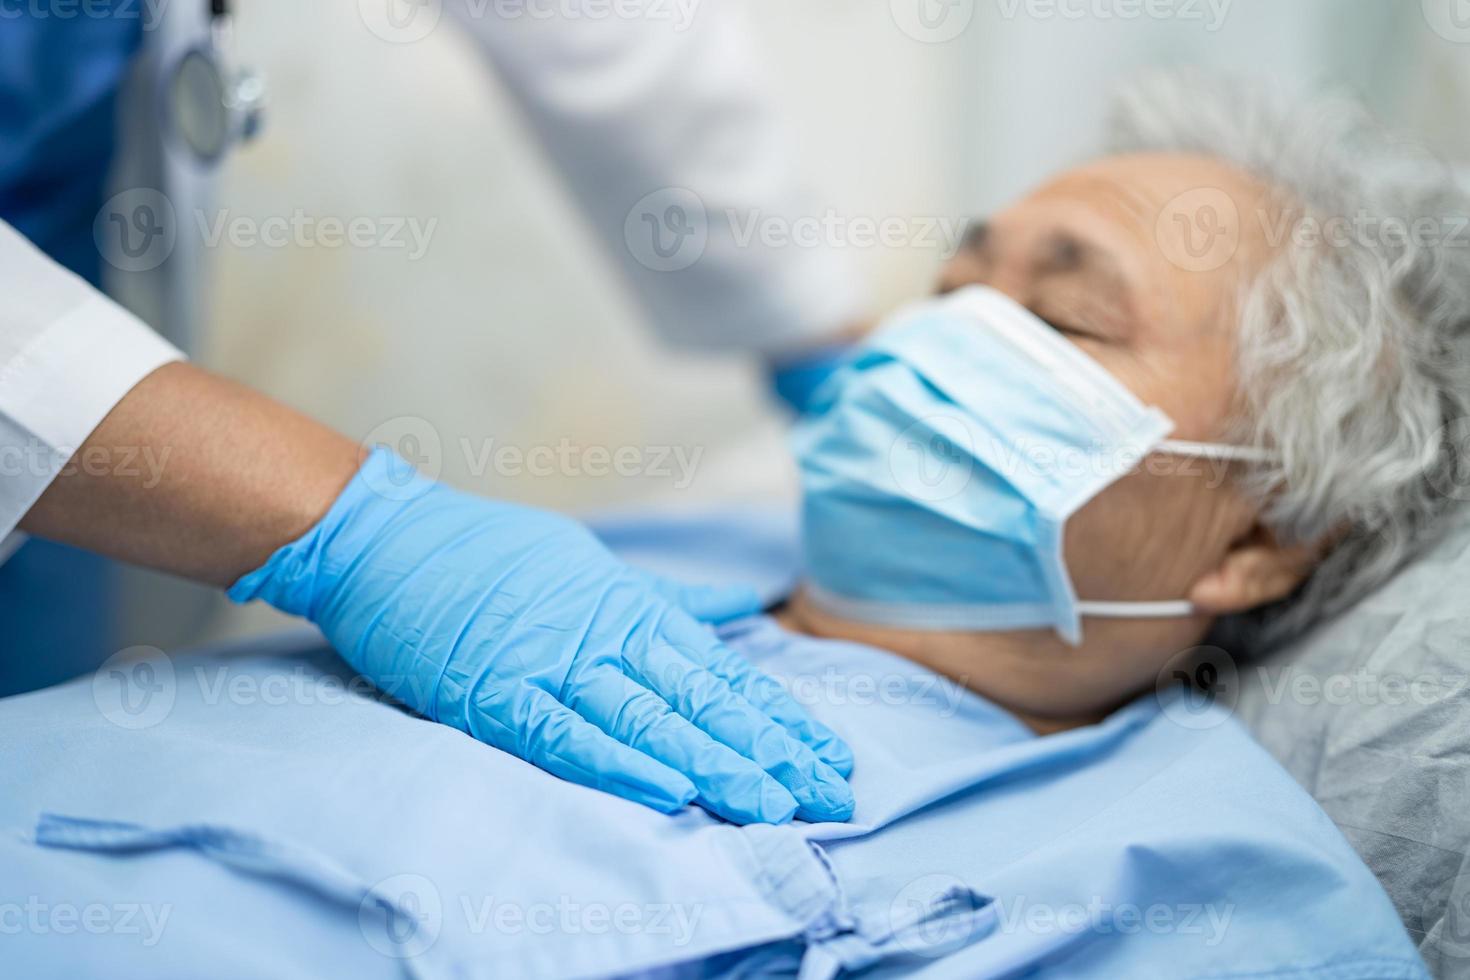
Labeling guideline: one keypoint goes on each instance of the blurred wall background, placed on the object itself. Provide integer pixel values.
(510, 328)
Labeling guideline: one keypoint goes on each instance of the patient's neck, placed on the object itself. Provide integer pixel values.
(955, 656)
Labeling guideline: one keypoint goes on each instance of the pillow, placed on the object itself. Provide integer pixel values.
(1371, 714)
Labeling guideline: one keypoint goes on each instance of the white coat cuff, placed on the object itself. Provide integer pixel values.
(56, 390)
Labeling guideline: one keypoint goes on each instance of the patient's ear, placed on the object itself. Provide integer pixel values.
(1256, 570)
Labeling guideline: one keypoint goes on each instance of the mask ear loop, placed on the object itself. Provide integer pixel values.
(1163, 609)
(1216, 450)
(1176, 608)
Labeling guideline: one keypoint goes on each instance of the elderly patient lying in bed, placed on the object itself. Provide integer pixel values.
(1147, 412)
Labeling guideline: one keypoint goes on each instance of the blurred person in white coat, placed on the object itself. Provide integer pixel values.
(657, 120)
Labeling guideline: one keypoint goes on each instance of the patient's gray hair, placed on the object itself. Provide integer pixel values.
(1354, 351)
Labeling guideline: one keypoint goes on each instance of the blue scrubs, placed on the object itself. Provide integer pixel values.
(60, 72)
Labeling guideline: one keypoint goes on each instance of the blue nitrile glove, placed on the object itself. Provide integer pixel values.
(796, 381)
(517, 626)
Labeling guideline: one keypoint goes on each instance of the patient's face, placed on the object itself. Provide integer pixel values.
(1114, 255)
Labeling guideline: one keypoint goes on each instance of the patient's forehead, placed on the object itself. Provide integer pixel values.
(1149, 180)
(1184, 231)
(1180, 212)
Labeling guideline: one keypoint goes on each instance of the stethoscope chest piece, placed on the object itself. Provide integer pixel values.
(211, 106)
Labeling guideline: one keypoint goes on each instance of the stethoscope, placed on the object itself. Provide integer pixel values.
(212, 105)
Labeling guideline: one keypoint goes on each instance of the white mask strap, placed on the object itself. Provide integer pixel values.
(1216, 450)
(1175, 608)
(1165, 609)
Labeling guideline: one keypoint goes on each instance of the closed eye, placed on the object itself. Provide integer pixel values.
(1067, 329)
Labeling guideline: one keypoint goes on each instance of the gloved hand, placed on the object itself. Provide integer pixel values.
(795, 381)
(518, 627)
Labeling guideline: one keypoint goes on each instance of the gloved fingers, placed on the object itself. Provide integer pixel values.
(798, 382)
(707, 603)
(767, 695)
(708, 702)
(760, 690)
(568, 746)
(729, 784)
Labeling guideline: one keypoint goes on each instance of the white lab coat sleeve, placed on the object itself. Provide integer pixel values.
(68, 354)
(663, 124)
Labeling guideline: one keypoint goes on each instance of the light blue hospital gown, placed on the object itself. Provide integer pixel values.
(246, 817)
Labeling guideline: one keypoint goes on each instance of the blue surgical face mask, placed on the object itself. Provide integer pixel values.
(939, 469)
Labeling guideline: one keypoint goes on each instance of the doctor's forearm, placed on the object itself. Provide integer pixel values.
(195, 475)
